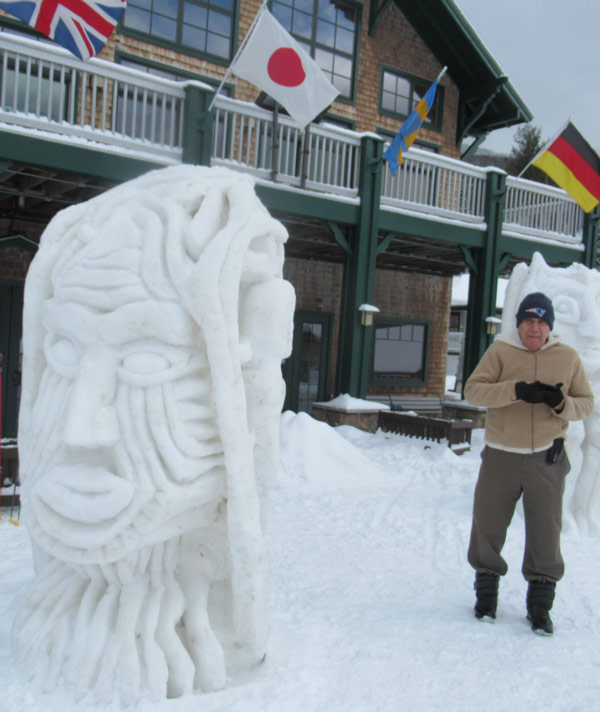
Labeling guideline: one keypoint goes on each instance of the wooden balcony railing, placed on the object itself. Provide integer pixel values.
(129, 112)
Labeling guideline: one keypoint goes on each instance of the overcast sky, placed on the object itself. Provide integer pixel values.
(550, 50)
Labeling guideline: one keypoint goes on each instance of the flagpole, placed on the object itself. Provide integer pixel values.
(441, 74)
(548, 143)
(237, 54)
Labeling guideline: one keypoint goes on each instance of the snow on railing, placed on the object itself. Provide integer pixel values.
(436, 185)
(324, 158)
(44, 87)
(534, 209)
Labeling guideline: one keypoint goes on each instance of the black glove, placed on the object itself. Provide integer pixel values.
(529, 392)
(551, 395)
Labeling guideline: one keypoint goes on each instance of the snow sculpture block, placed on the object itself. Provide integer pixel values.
(155, 321)
(575, 293)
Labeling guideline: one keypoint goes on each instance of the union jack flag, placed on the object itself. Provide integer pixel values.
(82, 26)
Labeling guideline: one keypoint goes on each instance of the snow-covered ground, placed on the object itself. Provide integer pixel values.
(371, 595)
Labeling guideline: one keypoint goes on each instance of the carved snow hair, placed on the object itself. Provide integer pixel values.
(156, 318)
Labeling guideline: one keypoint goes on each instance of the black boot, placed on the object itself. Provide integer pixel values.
(486, 590)
(540, 597)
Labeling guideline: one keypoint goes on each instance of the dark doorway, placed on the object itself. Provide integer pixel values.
(11, 314)
(306, 371)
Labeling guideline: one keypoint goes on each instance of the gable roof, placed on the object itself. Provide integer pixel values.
(487, 99)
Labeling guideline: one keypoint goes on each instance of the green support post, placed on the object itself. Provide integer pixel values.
(197, 125)
(590, 238)
(484, 273)
(354, 352)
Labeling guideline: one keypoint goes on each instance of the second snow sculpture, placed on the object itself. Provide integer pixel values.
(155, 322)
(575, 293)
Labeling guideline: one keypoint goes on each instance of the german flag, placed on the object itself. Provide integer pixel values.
(574, 166)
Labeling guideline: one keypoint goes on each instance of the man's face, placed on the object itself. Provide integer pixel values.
(534, 333)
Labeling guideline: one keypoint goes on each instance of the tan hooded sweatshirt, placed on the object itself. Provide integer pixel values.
(512, 424)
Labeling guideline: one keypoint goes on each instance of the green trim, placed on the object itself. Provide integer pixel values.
(431, 229)
(21, 241)
(376, 14)
(282, 201)
(354, 343)
(395, 382)
(78, 159)
(339, 237)
(412, 78)
(484, 280)
(590, 238)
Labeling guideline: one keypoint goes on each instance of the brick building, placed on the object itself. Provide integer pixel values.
(71, 129)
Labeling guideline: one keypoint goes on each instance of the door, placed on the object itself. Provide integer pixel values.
(11, 315)
(306, 371)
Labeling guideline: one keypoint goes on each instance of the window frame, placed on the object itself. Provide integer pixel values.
(177, 46)
(413, 79)
(380, 321)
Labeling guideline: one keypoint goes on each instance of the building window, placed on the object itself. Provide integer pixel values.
(327, 29)
(399, 352)
(202, 25)
(400, 93)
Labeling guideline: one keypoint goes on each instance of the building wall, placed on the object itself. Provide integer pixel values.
(402, 295)
(395, 43)
(14, 263)
(418, 296)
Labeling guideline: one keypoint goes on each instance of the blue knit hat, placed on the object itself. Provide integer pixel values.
(536, 306)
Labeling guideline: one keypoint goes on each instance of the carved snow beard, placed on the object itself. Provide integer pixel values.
(137, 628)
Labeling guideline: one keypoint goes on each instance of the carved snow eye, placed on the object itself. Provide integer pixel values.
(566, 309)
(144, 363)
(62, 354)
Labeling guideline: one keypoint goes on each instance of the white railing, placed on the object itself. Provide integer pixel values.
(326, 158)
(122, 110)
(455, 341)
(436, 185)
(44, 87)
(537, 210)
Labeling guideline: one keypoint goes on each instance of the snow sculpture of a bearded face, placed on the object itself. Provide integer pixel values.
(575, 294)
(155, 322)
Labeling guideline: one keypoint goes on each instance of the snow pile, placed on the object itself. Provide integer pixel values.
(371, 597)
(348, 403)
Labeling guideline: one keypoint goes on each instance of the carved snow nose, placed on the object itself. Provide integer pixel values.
(91, 420)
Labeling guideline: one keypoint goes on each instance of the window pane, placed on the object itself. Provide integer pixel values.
(218, 23)
(218, 45)
(344, 40)
(165, 28)
(283, 14)
(194, 37)
(137, 19)
(302, 24)
(398, 359)
(326, 33)
(195, 15)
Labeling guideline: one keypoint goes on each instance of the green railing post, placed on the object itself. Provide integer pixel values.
(590, 238)
(484, 273)
(197, 125)
(354, 351)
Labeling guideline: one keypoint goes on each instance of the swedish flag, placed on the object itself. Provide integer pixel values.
(404, 139)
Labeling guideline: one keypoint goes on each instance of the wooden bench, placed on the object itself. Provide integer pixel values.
(420, 404)
(456, 432)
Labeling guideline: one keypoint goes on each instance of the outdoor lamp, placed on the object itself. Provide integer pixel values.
(492, 324)
(366, 314)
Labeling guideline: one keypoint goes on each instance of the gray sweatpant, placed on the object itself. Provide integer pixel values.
(503, 478)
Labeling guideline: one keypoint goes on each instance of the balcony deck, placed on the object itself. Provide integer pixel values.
(46, 93)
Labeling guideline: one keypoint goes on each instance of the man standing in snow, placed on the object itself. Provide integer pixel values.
(532, 385)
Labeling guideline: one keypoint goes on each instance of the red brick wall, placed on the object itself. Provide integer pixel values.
(14, 263)
(418, 296)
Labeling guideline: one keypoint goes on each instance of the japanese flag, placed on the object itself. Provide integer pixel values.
(277, 64)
